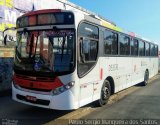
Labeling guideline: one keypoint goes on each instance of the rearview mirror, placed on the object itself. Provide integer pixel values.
(8, 37)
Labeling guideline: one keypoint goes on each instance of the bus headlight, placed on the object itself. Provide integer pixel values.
(69, 85)
(62, 89)
(55, 92)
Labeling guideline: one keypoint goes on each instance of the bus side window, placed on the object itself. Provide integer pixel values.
(152, 50)
(134, 47)
(147, 46)
(110, 43)
(156, 50)
(124, 45)
(141, 48)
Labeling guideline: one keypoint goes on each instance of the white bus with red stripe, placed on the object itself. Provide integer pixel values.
(67, 59)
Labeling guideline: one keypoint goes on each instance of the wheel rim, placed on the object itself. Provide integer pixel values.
(105, 93)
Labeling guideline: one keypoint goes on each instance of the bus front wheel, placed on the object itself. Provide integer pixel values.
(105, 94)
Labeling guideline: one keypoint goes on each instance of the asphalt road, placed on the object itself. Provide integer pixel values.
(143, 103)
(136, 103)
(21, 114)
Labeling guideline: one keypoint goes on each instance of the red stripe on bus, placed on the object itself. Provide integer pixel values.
(101, 74)
(37, 84)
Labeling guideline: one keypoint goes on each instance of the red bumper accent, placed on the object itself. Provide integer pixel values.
(35, 84)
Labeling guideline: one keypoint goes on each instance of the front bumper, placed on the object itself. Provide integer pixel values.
(63, 101)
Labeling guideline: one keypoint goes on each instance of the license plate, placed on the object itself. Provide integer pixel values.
(31, 98)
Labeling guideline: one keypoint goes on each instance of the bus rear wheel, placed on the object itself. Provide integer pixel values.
(105, 94)
(146, 78)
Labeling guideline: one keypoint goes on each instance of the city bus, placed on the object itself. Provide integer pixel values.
(66, 59)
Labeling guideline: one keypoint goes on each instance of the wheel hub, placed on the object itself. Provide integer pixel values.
(105, 93)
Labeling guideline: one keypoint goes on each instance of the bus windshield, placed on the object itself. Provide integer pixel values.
(45, 51)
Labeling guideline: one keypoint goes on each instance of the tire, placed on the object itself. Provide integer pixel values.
(146, 78)
(105, 94)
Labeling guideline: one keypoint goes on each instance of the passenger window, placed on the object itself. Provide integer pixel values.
(152, 50)
(124, 45)
(141, 48)
(134, 47)
(156, 50)
(110, 43)
(147, 49)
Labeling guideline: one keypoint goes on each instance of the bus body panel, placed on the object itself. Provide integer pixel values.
(127, 71)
